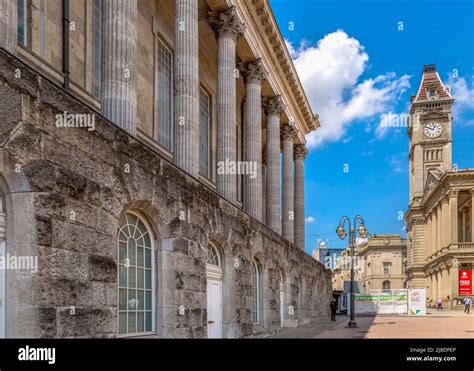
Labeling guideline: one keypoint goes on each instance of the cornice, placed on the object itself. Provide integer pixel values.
(448, 183)
(262, 17)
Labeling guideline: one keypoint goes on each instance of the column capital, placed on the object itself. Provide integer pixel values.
(274, 106)
(227, 23)
(288, 132)
(453, 193)
(254, 71)
(300, 152)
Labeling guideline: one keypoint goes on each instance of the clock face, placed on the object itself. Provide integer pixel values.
(433, 130)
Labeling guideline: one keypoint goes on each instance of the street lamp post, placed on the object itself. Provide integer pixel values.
(352, 244)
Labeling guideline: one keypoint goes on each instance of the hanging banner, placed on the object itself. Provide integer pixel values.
(381, 302)
(465, 282)
(417, 302)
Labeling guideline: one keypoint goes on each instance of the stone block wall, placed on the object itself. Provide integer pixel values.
(65, 189)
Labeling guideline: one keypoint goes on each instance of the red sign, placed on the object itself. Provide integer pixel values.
(465, 282)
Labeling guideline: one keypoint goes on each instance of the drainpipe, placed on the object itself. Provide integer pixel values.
(66, 43)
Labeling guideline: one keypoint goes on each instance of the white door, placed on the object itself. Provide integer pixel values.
(2, 293)
(282, 303)
(214, 309)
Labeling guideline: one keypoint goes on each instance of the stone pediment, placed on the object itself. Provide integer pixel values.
(434, 115)
(432, 180)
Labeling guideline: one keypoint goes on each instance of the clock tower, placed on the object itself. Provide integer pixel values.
(430, 147)
(429, 131)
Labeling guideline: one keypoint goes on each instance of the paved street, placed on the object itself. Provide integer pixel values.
(446, 324)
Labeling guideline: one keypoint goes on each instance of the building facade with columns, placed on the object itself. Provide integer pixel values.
(382, 263)
(140, 165)
(440, 236)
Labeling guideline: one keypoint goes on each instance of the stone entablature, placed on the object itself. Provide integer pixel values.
(449, 182)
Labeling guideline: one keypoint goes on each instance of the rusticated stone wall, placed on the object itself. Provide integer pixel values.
(65, 189)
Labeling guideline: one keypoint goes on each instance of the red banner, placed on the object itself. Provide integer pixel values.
(465, 282)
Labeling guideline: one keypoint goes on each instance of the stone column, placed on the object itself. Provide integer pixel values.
(300, 154)
(8, 25)
(439, 236)
(453, 208)
(254, 74)
(119, 61)
(288, 134)
(463, 226)
(431, 288)
(434, 238)
(264, 185)
(440, 284)
(445, 212)
(228, 28)
(428, 235)
(472, 216)
(454, 278)
(186, 86)
(274, 109)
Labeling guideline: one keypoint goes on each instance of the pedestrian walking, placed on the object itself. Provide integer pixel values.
(333, 306)
(440, 304)
(467, 304)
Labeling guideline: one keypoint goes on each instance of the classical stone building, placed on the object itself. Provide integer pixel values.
(382, 262)
(341, 271)
(379, 264)
(440, 236)
(140, 149)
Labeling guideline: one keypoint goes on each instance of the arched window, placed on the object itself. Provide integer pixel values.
(213, 257)
(3, 230)
(386, 285)
(255, 293)
(135, 263)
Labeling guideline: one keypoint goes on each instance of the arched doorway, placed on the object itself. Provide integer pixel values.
(3, 225)
(214, 292)
(282, 300)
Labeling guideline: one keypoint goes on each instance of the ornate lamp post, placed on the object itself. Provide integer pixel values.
(362, 231)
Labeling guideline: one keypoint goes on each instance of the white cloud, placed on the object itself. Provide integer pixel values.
(310, 219)
(348, 139)
(398, 162)
(330, 72)
(463, 92)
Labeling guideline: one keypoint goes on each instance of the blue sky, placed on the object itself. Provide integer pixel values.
(357, 61)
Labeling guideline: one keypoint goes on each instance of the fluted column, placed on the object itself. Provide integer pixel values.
(472, 215)
(453, 209)
(264, 185)
(274, 109)
(119, 94)
(254, 75)
(434, 238)
(439, 237)
(288, 134)
(300, 154)
(186, 86)
(228, 28)
(8, 25)
(429, 228)
(445, 208)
